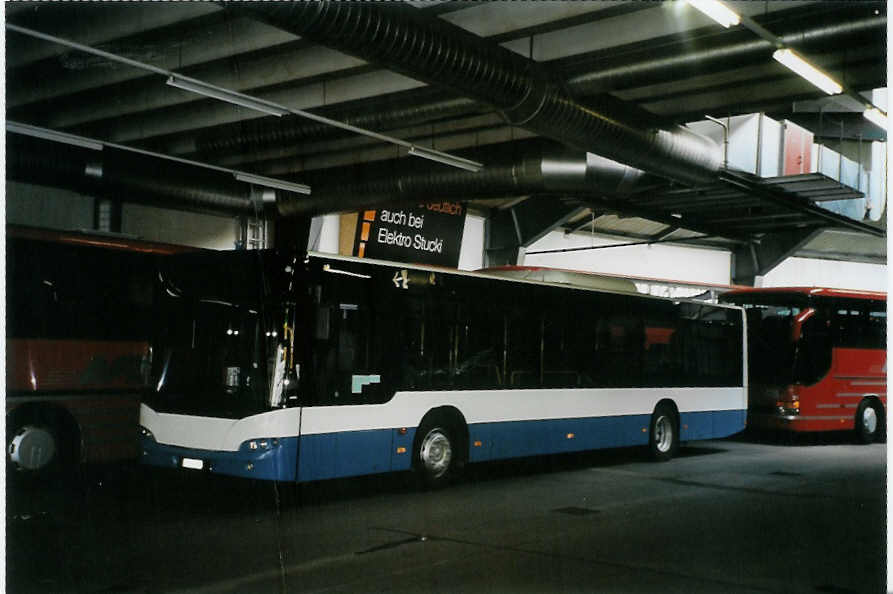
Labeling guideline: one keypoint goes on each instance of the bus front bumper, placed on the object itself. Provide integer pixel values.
(789, 422)
(277, 461)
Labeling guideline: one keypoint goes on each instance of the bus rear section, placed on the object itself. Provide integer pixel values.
(333, 367)
(817, 359)
(77, 347)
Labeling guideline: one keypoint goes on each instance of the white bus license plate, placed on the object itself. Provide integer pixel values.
(193, 463)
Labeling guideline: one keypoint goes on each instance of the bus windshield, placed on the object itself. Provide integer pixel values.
(772, 349)
(776, 356)
(219, 344)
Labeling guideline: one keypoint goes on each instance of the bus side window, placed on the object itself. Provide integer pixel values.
(620, 343)
(565, 360)
(479, 353)
(347, 366)
(876, 325)
(523, 348)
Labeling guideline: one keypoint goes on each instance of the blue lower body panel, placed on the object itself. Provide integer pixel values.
(711, 424)
(278, 462)
(496, 441)
(354, 453)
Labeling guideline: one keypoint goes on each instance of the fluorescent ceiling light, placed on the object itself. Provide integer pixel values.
(876, 116)
(446, 159)
(47, 134)
(270, 182)
(790, 59)
(717, 11)
(207, 90)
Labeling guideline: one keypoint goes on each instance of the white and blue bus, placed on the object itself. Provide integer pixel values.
(288, 370)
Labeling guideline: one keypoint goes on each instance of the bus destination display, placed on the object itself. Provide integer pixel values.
(424, 234)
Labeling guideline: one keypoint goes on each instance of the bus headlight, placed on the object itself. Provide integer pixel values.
(261, 444)
(146, 434)
(788, 402)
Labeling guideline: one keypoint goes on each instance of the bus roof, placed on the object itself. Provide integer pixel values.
(633, 279)
(110, 241)
(578, 278)
(488, 274)
(808, 291)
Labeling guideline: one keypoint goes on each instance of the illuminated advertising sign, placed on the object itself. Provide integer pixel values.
(423, 234)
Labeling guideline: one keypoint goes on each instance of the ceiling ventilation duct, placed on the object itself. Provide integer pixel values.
(394, 36)
(263, 133)
(129, 177)
(513, 169)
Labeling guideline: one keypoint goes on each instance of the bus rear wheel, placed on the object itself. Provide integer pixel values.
(869, 422)
(663, 439)
(436, 455)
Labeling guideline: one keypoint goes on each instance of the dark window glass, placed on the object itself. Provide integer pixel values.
(215, 349)
(348, 358)
(469, 333)
(523, 333)
(812, 352)
(859, 324)
(481, 330)
(63, 291)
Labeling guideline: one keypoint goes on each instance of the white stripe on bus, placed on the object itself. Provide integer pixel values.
(406, 409)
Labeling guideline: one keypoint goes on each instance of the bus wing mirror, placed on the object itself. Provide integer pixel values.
(277, 387)
(799, 320)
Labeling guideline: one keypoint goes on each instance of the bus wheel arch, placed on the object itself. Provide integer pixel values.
(871, 420)
(440, 447)
(663, 431)
(36, 429)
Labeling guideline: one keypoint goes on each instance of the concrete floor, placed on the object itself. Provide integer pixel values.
(742, 515)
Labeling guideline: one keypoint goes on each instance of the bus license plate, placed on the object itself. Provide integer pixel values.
(193, 463)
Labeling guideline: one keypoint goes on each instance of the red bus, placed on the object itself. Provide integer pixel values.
(77, 346)
(817, 359)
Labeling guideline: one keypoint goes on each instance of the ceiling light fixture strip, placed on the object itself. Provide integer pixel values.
(785, 55)
(209, 90)
(221, 94)
(796, 63)
(47, 134)
(717, 11)
(86, 49)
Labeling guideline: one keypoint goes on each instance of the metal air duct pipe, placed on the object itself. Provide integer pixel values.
(439, 53)
(521, 168)
(126, 176)
(266, 133)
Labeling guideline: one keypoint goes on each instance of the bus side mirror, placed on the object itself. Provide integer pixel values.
(797, 326)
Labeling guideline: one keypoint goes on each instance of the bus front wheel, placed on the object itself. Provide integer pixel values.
(436, 455)
(40, 443)
(869, 421)
(664, 433)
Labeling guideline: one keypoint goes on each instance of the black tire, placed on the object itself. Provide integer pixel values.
(869, 422)
(437, 456)
(663, 433)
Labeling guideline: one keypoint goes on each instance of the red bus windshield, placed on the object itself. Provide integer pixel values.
(792, 335)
